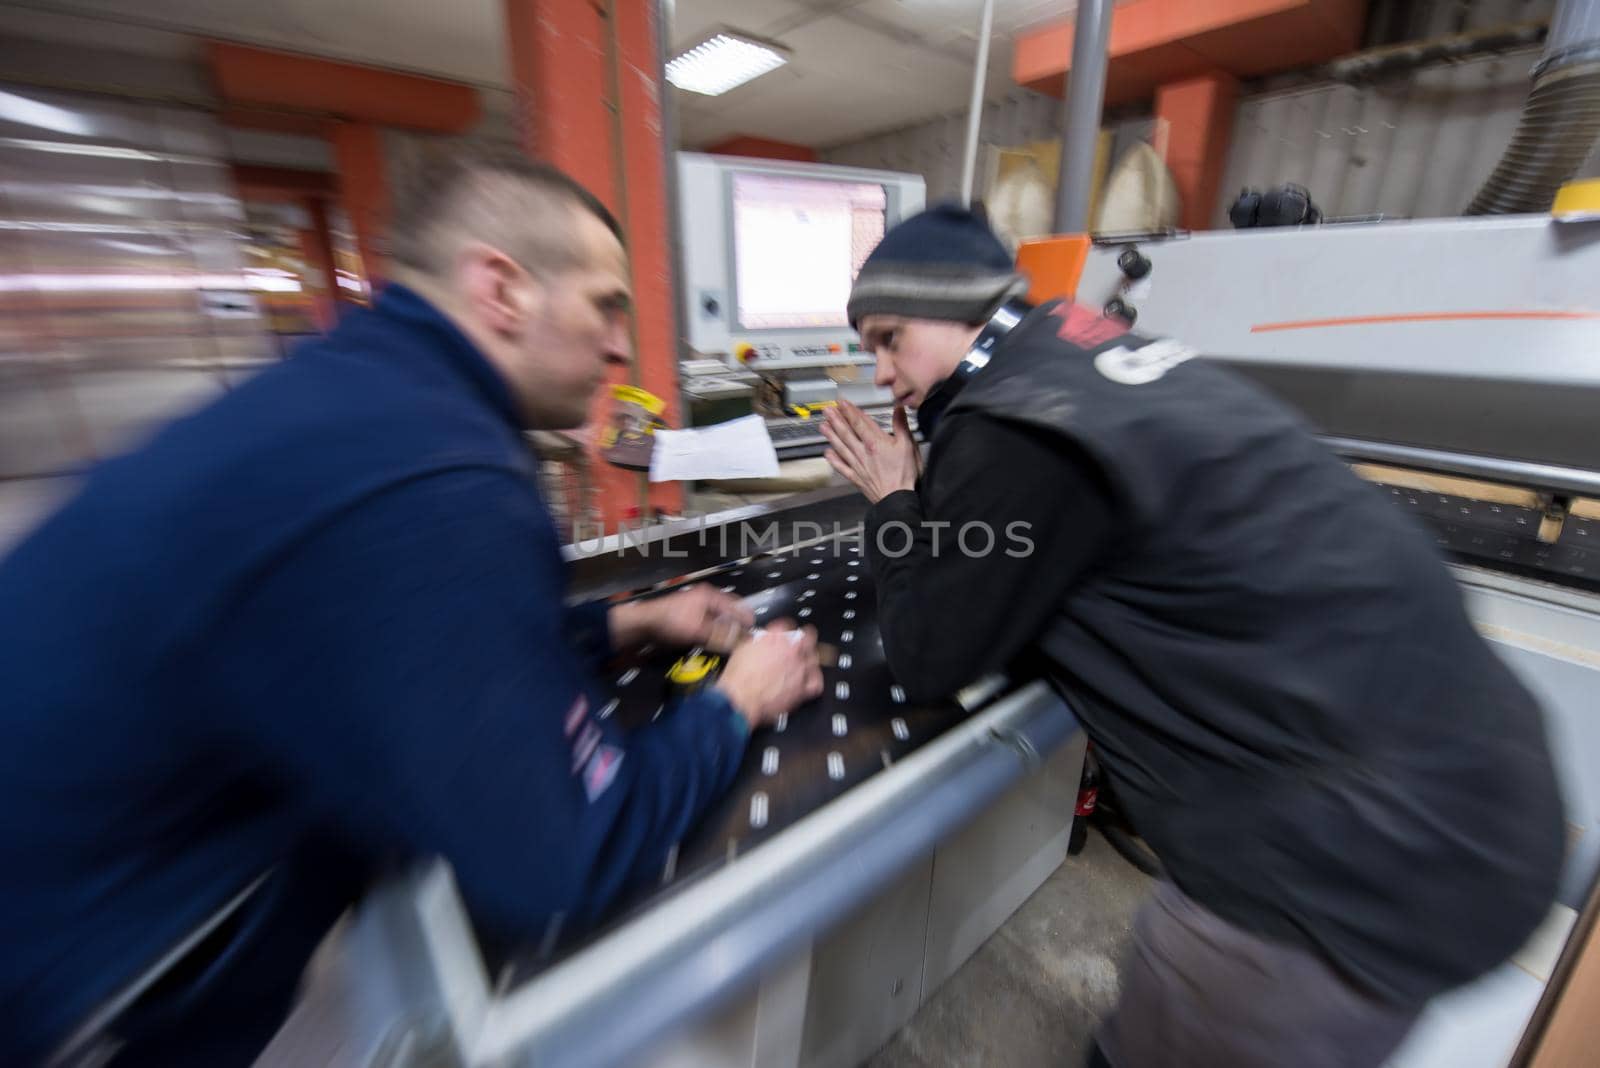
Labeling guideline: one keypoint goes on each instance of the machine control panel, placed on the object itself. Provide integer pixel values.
(775, 356)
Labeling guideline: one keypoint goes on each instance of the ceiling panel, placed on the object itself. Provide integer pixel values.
(853, 71)
(463, 40)
(856, 66)
(843, 81)
(28, 24)
(948, 18)
(693, 19)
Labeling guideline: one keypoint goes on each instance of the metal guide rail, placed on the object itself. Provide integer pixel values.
(853, 794)
(1505, 536)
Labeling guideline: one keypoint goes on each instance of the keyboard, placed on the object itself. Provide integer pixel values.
(796, 438)
(789, 433)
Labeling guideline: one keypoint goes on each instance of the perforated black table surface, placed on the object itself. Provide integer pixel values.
(860, 724)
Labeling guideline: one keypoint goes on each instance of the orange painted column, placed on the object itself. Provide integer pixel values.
(1154, 42)
(317, 240)
(300, 88)
(1198, 116)
(566, 58)
(763, 148)
(316, 293)
(363, 190)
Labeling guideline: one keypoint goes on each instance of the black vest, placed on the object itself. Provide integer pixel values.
(1278, 671)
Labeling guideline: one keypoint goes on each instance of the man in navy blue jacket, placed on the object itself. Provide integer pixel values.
(319, 625)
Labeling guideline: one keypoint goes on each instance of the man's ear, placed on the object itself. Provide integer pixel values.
(495, 287)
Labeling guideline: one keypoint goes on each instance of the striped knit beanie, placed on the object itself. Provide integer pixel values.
(944, 263)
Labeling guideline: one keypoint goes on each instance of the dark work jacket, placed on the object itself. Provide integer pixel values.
(314, 626)
(1275, 667)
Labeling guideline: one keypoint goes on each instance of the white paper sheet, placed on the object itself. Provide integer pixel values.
(739, 448)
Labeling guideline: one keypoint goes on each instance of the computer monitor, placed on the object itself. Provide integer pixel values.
(798, 244)
(770, 251)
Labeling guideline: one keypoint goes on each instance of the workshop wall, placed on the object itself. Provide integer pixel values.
(933, 149)
(1416, 146)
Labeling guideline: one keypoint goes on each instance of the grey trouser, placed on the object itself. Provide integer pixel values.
(1197, 991)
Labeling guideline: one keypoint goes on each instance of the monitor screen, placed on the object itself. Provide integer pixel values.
(798, 244)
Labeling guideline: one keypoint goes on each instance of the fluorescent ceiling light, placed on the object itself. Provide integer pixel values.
(45, 116)
(724, 61)
(106, 283)
(132, 191)
(107, 151)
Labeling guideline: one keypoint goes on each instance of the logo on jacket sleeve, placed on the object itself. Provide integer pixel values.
(1082, 327)
(583, 748)
(1141, 366)
(575, 716)
(601, 771)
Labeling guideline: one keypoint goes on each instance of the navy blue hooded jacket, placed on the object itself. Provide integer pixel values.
(328, 608)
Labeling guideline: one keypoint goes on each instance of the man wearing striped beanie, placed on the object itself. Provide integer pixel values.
(1352, 795)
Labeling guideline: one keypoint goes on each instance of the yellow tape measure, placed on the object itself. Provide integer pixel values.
(693, 668)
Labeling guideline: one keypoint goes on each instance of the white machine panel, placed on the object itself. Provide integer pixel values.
(770, 250)
(1511, 297)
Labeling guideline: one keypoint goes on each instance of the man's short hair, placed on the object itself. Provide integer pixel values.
(494, 195)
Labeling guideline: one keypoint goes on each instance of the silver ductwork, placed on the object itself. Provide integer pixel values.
(1560, 122)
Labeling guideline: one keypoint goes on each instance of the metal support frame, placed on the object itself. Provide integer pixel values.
(692, 952)
(1080, 133)
(1494, 468)
(408, 985)
(969, 159)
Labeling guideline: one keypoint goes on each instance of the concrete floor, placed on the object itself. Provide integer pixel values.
(1033, 994)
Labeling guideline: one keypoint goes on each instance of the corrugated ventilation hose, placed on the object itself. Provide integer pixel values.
(1560, 122)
